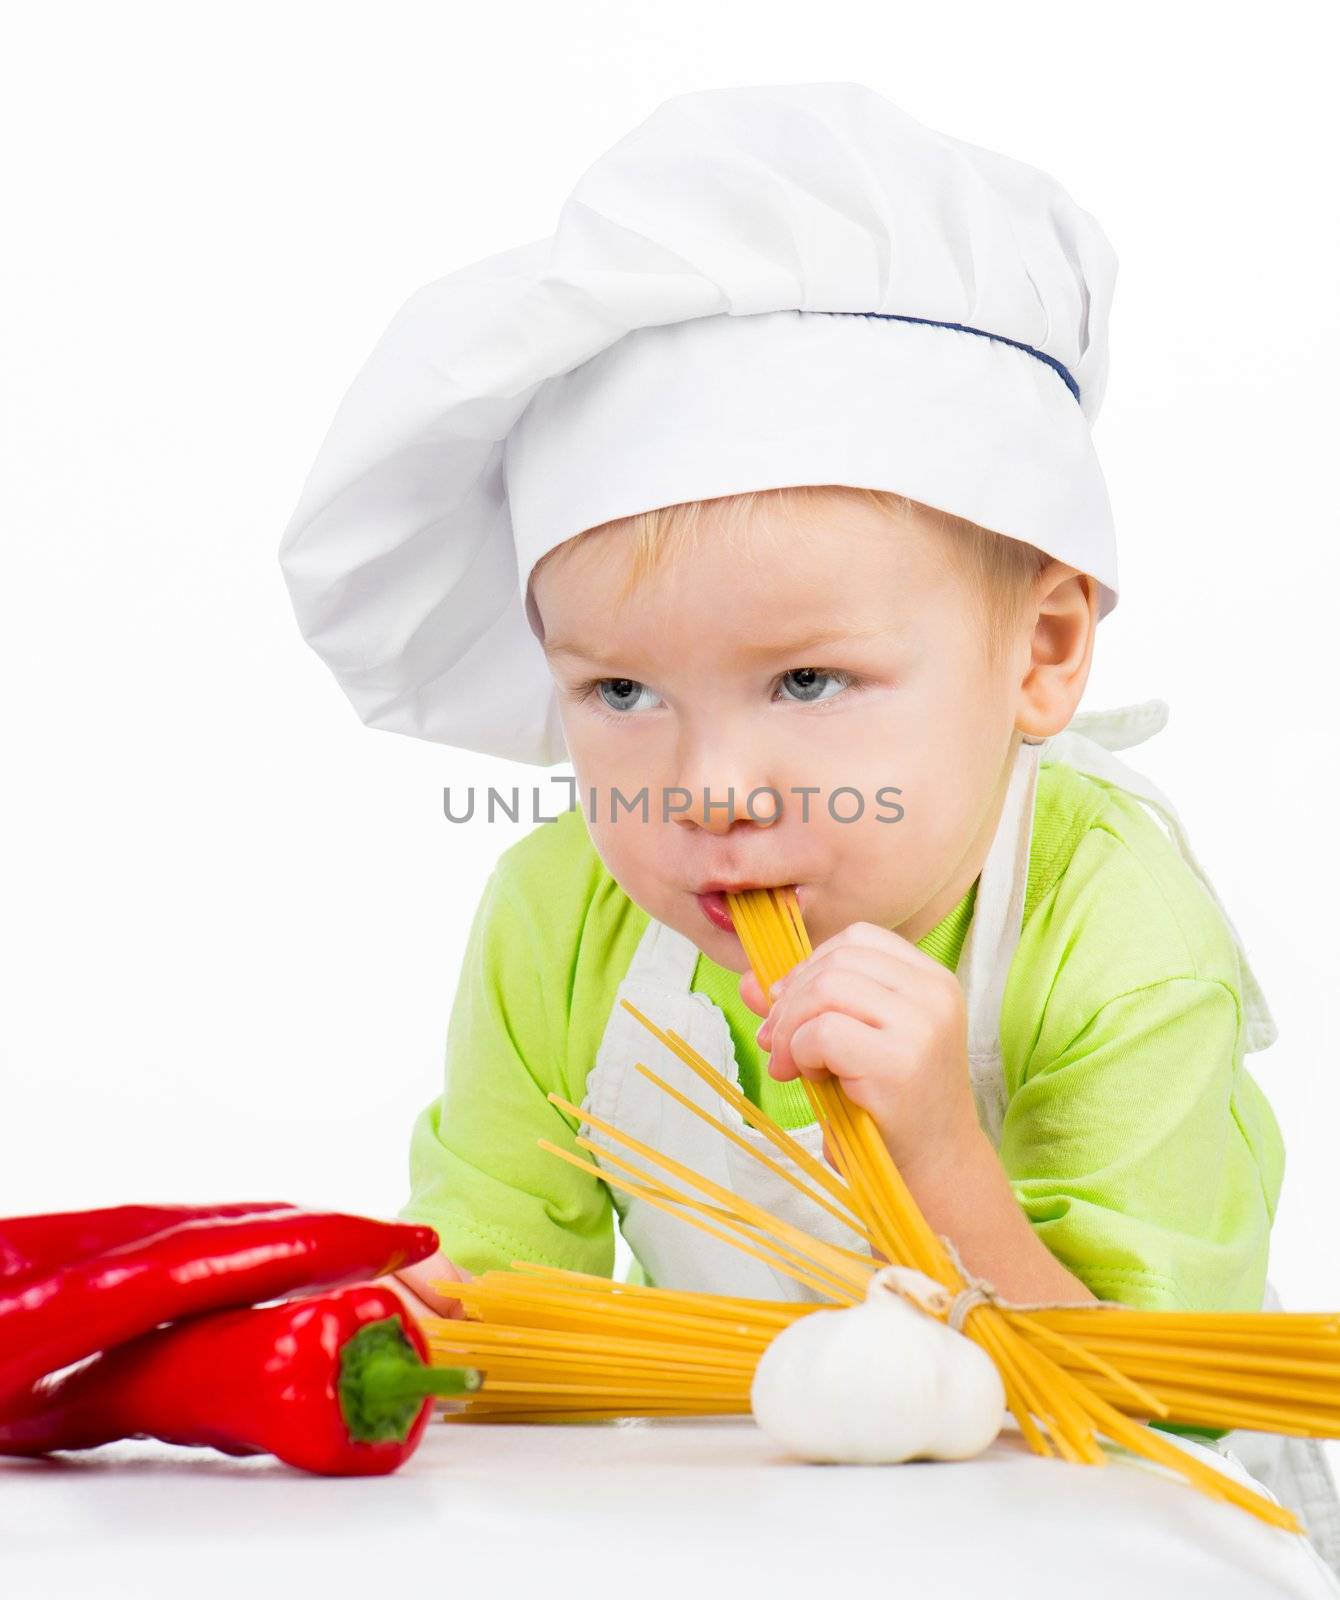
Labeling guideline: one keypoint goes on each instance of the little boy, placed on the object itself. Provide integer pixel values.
(768, 482)
(1137, 1159)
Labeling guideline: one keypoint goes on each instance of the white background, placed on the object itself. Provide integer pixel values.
(233, 916)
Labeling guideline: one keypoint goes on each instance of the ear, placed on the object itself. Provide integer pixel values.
(1064, 616)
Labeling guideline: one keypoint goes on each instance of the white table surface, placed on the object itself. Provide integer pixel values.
(691, 1508)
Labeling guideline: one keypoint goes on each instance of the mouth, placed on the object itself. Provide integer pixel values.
(712, 900)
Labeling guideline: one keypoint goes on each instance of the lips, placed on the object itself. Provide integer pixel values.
(713, 903)
(712, 900)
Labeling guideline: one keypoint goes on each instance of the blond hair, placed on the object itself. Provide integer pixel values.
(999, 571)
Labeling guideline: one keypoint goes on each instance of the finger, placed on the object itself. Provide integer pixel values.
(861, 959)
(428, 1282)
(835, 992)
(933, 994)
(863, 995)
(418, 1309)
(751, 992)
(851, 1051)
(870, 936)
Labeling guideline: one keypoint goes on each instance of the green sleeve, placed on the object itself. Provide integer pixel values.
(476, 1173)
(1145, 1156)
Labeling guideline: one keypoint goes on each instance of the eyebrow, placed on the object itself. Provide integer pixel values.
(790, 648)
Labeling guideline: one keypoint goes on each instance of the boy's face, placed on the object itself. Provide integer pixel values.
(849, 662)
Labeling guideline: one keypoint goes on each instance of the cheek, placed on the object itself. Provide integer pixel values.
(603, 756)
(628, 846)
(940, 741)
(577, 727)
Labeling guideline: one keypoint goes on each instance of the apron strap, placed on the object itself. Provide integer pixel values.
(664, 956)
(1086, 744)
(993, 934)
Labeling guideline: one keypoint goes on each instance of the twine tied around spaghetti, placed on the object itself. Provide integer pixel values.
(954, 1308)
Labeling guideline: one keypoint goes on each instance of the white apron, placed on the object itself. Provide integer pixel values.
(677, 1255)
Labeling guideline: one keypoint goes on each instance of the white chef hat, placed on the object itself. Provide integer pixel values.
(755, 288)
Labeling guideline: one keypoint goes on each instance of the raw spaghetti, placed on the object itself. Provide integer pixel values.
(563, 1346)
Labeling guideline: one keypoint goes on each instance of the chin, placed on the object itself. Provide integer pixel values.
(724, 948)
(715, 943)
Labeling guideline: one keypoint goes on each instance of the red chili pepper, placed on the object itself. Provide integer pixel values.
(337, 1385)
(46, 1323)
(29, 1245)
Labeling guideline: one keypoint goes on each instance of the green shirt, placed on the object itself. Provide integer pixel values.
(1143, 1153)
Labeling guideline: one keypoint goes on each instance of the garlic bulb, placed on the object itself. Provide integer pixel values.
(879, 1382)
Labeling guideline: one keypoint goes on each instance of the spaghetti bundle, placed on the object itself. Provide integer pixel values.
(559, 1346)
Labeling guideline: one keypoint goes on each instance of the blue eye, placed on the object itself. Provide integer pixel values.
(812, 683)
(623, 694)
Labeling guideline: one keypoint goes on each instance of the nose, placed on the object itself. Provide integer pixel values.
(730, 786)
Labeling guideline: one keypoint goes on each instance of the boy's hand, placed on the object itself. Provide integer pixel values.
(414, 1285)
(888, 1021)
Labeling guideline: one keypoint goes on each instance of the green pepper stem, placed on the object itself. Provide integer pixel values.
(383, 1383)
(388, 1379)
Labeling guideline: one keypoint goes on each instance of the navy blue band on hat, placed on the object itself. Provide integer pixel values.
(959, 327)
